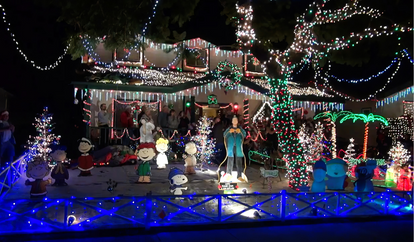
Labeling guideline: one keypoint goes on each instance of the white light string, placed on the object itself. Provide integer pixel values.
(45, 68)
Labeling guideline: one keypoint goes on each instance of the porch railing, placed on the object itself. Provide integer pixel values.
(10, 174)
(75, 214)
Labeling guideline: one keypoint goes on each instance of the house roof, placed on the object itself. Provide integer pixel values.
(191, 84)
(3, 91)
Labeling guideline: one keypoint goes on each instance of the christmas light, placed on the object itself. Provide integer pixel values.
(311, 142)
(399, 154)
(350, 151)
(399, 127)
(402, 94)
(205, 145)
(39, 146)
(360, 80)
(45, 68)
(366, 119)
(332, 117)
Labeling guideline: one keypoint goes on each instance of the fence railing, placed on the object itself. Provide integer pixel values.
(10, 174)
(74, 214)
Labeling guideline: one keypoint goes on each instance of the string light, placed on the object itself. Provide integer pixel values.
(360, 80)
(402, 94)
(205, 145)
(45, 68)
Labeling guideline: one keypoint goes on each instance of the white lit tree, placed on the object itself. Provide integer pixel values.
(205, 144)
(39, 145)
(311, 143)
(350, 151)
(399, 154)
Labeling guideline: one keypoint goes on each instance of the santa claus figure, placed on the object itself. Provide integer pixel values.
(85, 161)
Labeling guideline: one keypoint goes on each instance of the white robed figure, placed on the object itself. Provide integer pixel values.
(147, 126)
(162, 147)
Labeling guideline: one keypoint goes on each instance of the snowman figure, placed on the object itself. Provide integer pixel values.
(177, 179)
(190, 159)
(162, 147)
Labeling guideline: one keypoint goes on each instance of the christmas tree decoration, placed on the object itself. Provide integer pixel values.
(399, 154)
(350, 151)
(366, 119)
(205, 145)
(331, 117)
(40, 145)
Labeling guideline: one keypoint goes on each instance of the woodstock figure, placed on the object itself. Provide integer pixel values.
(85, 161)
(319, 173)
(336, 174)
(37, 170)
(190, 159)
(177, 179)
(146, 153)
(59, 172)
(162, 147)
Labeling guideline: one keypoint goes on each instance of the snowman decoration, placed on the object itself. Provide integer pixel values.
(162, 147)
(190, 159)
(177, 179)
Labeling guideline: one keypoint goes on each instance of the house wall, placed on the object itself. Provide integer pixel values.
(99, 97)
(395, 109)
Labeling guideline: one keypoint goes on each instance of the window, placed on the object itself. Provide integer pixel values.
(199, 59)
(253, 64)
(122, 55)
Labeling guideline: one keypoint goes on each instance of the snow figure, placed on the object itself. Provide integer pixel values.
(177, 179)
(37, 170)
(190, 159)
(59, 172)
(350, 151)
(85, 161)
(162, 147)
(399, 154)
(233, 138)
(391, 176)
(336, 174)
(146, 153)
(319, 173)
(205, 145)
(364, 173)
(147, 127)
(404, 181)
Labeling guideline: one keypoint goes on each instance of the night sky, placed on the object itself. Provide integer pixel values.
(42, 39)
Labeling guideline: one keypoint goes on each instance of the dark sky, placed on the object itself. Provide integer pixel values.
(42, 39)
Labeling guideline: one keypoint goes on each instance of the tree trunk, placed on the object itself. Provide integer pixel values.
(282, 119)
(364, 151)
(333, 139)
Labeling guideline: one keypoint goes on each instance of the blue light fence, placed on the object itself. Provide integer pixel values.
(74, 214)
(10, 174)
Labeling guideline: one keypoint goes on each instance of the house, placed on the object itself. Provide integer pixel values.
(206, 82)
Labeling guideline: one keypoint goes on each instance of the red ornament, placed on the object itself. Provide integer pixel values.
(305, 112)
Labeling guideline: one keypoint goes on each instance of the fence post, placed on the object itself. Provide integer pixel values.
(9, 175)
(283, 205)
(219, 207)
(148, 210)
(387, 201)
(65, 220)
(338, 203)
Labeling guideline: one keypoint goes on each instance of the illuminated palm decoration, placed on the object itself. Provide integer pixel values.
(332, 118)
(366, 119)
